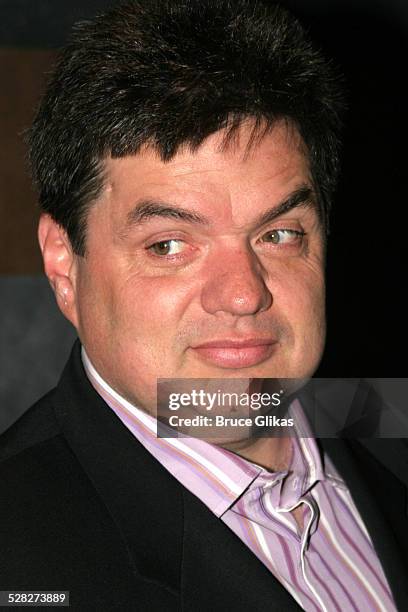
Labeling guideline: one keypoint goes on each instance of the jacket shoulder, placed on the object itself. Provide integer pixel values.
(35, 426)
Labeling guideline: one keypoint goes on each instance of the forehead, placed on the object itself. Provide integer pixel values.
(230, 178)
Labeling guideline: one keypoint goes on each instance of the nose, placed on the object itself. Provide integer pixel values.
(236, 285)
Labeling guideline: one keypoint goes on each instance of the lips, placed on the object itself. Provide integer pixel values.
(236, 353)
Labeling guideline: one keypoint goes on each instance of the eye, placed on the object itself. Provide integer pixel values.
(167, 247)
(283, 236)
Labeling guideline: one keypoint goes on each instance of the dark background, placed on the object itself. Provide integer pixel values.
(367, 252)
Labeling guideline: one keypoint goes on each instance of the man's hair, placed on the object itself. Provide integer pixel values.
(166, 73)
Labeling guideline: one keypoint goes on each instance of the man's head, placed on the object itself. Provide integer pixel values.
(186, 153)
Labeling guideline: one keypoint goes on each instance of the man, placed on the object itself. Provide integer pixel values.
(186, 153)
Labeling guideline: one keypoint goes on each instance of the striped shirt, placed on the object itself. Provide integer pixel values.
(328, 565)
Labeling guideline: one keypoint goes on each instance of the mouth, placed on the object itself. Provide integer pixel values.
(236, 353)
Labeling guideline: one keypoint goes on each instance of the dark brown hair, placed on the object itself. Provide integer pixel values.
(171, 72)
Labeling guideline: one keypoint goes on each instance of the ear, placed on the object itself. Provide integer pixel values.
(59, 265)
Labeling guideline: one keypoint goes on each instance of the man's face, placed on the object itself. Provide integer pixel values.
(190, 272)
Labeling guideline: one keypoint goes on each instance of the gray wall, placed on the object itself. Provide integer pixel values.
(35, 341)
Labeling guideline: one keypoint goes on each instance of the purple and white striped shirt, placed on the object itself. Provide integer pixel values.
(329, 565)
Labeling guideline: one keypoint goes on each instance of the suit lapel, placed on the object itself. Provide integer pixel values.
(220, 573)
(144, 501)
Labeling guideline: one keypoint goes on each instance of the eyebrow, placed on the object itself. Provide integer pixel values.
(148, 209)
(303, 196)
(145, 210)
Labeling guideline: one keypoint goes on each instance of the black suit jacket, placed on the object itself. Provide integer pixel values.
(85, 508)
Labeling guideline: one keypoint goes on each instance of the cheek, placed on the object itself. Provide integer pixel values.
(301, 302)
(299, 295)
(149, 306)
(310, 330)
